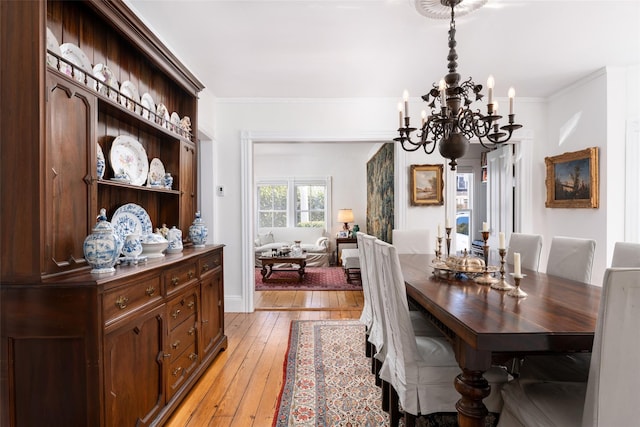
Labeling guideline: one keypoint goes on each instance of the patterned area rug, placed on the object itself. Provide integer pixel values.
(327, 378)
(315, 279)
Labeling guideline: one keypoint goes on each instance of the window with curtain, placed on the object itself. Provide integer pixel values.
(293, 202)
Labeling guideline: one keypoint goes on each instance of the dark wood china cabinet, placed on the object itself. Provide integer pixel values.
(83, 349)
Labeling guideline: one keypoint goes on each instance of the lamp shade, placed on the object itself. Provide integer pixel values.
(345, 215)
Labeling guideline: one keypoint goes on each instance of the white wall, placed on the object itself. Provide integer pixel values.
(344, 162)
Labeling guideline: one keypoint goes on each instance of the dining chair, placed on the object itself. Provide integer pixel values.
(420, 370)
(366, 317)
(571, 258)
(528, 246)
(416, 241)
(626, 255)
(606, 399)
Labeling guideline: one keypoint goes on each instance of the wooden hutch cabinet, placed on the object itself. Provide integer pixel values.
(83, 349)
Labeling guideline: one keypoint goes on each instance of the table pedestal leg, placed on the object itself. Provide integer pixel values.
(473, 387)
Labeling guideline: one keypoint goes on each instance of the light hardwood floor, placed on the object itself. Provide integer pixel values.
(241, 386)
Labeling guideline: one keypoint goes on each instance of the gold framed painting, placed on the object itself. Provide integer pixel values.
(572, 179)
(426, 185)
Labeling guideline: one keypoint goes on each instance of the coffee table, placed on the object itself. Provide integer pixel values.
(270, 266)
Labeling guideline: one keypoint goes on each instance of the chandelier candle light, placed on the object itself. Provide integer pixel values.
(454, 123)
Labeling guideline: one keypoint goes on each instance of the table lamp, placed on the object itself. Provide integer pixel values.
(345, 216)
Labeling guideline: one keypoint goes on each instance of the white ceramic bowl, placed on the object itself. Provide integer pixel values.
(154, 245)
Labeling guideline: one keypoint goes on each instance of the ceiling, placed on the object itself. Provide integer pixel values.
(378, 48)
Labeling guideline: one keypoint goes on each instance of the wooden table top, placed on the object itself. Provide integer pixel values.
(557, 314)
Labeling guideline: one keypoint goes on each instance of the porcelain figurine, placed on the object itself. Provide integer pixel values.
(175, 240)
(198, 232)
(102, 247)
(132, 245)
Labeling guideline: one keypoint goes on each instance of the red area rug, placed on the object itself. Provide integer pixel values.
(327, 377)
(315, 279)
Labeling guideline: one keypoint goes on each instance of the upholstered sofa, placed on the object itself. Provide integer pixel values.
(312, 240)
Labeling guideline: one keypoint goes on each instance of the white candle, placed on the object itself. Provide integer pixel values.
(399, 114)
(443, 94)
(490, 84)
(446, 223)
(517, 272)
(439, 231)
(405, 97)
(423, 114)
(485, 226)
(512, 94)
(501, 240)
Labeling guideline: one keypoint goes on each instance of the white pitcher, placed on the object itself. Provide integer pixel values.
(174, 236)
(132, 245)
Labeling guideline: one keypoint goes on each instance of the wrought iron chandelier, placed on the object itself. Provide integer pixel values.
(454, 123)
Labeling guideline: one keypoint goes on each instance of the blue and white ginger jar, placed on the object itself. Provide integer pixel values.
(198, 232)
(102, 247)
(167, 180)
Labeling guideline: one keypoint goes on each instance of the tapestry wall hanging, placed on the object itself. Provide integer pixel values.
(572, 179)
(380, 192)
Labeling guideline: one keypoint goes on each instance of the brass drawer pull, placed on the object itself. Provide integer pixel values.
(205, 267)
(177, 371)
(150, 290)
(190, 274)
(193, 356)
(191, 304)
(176, 344)
(122, 302)
(191, 331)
(175, 281)
(175, 314)
(167, 355)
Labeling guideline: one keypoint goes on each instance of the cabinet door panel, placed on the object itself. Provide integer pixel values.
(212, 310)
(69, 174)
(187, 186)
(134, 370)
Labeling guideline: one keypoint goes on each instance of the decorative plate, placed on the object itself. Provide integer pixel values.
(156, 173)
(175, 122)
(129, 156)
(130, 90)
(77, 57)
(131, 218)
(149, 106)
(104, 74)
(53, 46)
(163, 118)
(100, 163)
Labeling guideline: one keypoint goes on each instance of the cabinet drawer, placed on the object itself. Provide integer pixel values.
(180, 369)
(209, 263)
(181, 308)
(178, 277)
(121, 301)
(182, 337)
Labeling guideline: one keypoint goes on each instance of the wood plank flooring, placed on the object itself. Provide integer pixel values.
(241, 386)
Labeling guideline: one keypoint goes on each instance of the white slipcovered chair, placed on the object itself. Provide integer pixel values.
(420, 369)
(571, 258)
(607, 398)
(626, 255)
(528, 246)
(416, 241)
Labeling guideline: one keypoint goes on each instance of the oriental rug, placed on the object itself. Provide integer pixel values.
(327, 378)
(315, 279)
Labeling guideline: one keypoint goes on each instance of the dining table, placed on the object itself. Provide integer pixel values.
(488, 327)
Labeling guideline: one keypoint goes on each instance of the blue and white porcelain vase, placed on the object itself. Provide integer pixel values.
(167, 181)
(198, 232)
(102, 247)
(174, 236)
(132, 246)
(100, 167)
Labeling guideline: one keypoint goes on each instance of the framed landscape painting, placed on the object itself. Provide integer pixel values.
(572, 179)
(426, 185)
